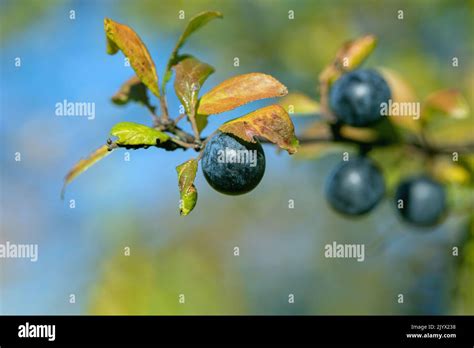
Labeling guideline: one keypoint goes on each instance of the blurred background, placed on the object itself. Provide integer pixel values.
(134, 204)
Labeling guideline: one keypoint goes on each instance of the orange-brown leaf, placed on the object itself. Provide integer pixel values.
(125, 38)
(271, 122)
(240, 90)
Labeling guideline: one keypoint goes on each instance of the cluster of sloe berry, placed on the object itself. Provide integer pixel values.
(355, 186)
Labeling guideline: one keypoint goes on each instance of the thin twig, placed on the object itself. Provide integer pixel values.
(186, 140)
(154, 116)
(419, 145)
(179, 118)
(184, 144)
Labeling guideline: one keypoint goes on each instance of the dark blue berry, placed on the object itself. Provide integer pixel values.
(356, 97)
(355, 186)
(231, 165)
(421, 201)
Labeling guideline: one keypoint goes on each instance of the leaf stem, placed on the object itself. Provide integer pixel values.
(184, 144)
(151, 109)
(179, 118)
(164, 109)
(192, 118)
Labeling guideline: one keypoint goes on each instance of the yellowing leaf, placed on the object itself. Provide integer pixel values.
(315, 141)
(186, 175)
(240, 90)
(353, 53)
(135, 50)
(400, 88)
(131, 90)
(194, 24)
(402, 92)
(349, 57)
(300, 104)
(271, 122)
(448, 171)
(449, 102)
(129, 134)
(84, 164)
(190, 75)
(307, 151)
(112, 48)
(318, 129)
(359, 134)
(447, 132)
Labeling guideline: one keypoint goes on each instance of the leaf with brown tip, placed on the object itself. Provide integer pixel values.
(240, 90)
(271, 122)
(125, 38)
(84, 164)
(354, 52)
(350, 56)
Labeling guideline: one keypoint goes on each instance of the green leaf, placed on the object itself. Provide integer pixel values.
(271, 122)
(201, 122)
(186, 175)
(131, 90)
(123, 37)
(84, 164)
(190, 75)
(299, 104)
(240, 90)
(364, 134)
(130, 133)
(194, 24)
